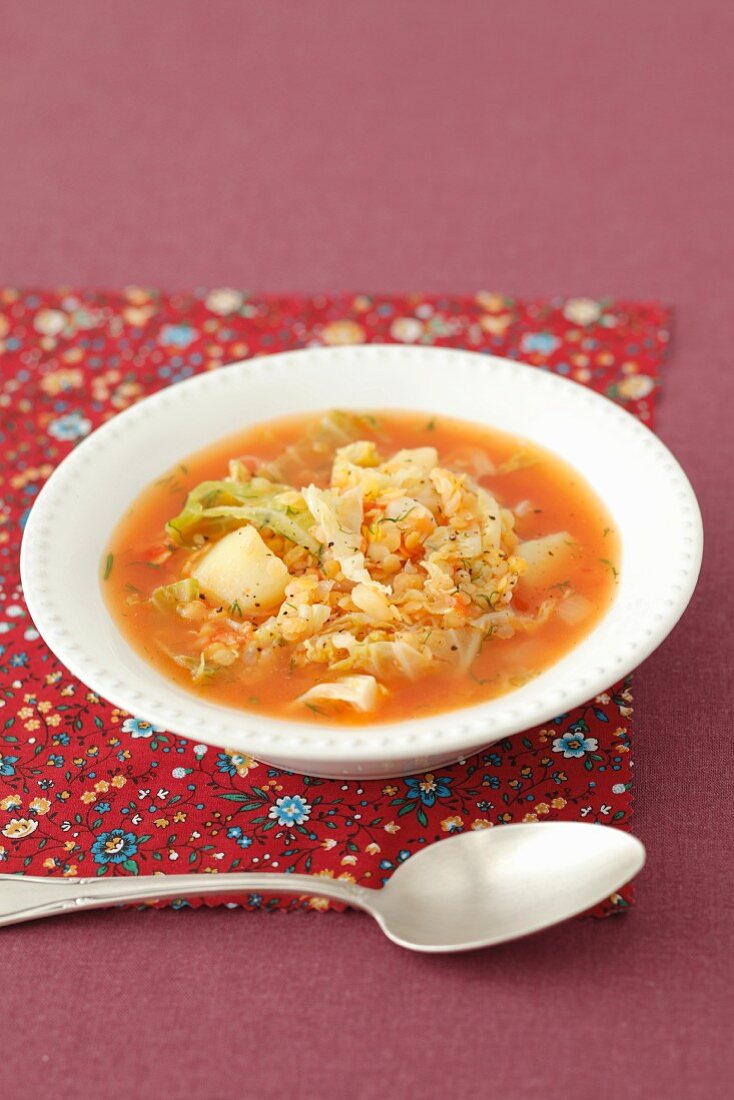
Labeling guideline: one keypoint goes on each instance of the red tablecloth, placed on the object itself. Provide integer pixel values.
(86, 788)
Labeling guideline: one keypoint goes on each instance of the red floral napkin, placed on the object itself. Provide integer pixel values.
(86, 789)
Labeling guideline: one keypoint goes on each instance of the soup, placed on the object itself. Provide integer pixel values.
(361, 567)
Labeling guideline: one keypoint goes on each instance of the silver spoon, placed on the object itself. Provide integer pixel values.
(472, 890)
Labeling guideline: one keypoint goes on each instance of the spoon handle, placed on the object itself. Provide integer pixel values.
(25, 897)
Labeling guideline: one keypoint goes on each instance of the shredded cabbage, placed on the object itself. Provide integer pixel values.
(361, 692)
(167, 596)
(215, 508)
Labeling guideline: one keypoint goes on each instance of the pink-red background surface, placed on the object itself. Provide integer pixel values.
(574, 148)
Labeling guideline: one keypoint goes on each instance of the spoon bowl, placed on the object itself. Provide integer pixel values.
(487, 887)
(468, 891)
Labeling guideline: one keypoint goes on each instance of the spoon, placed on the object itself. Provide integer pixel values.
(472, 890)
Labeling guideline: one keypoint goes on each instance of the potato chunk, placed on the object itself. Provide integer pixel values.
(547, 559)
(240, 569)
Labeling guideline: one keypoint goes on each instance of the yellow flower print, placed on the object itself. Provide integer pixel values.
(391, 827)
(70, 871)
(88, 797)
(451, 824)
(328, 844)
(530, 817)
(558, 803)
(161, 822)
(25, 712)
(242, 762)
(32, 725)
(347, 861)
(493, 303)
(495, 326)
(582, 311)
(69, 845)
(39, 806)
(44, 706)
(60, 380)
(53, 720)
(224, 301)
(50, 322)
(635, 386)
(50, 863)
(118, 781)
(19, 827)
(372, 849)
(102, 787)
(137, 315)
(343, 332)
(406, 329)
(480, 823)
(390, 791)
(10, 802)
(179, 816)
(542, 808)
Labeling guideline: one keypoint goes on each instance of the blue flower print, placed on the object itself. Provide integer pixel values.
(541, 342)
(176, 336)
(114, 847)
(225, 764)
(574, 745)
(6, 764)
(429, 788)
(291, 810)
(70, 427)
(55, 760)
(235, 833)
(137, 727)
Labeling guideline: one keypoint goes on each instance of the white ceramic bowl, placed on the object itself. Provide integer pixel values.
(640, 482)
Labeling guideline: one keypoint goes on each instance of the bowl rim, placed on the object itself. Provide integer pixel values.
(451, 732)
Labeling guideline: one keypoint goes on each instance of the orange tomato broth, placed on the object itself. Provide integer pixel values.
(561, 501)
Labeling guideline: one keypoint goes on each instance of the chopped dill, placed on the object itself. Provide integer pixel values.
(316, 710)
(610, 565)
